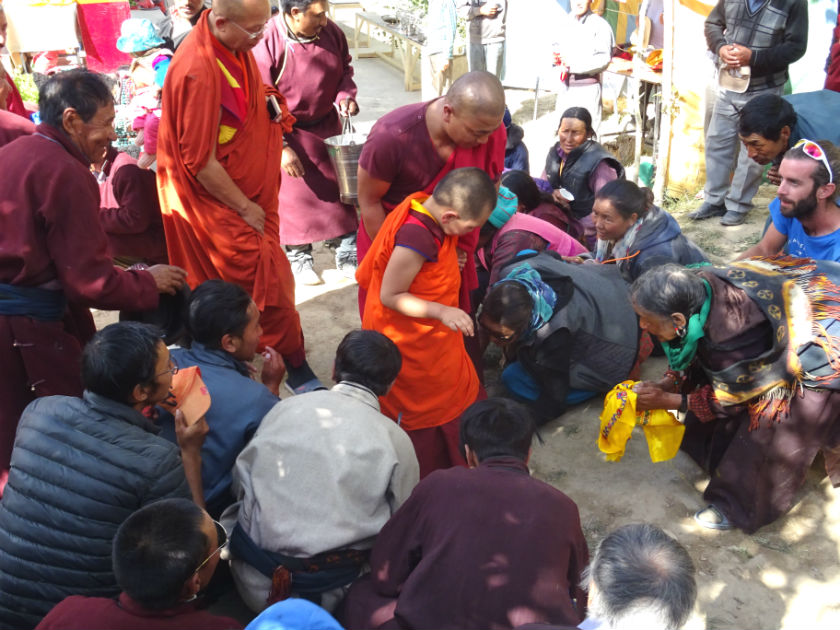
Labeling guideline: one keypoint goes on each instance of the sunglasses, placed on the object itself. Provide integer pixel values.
(815, 151)
(222, 537)
(251, 34)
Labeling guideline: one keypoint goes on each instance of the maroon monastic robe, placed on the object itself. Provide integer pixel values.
(489, 547)
(313, 77)
(130, 211)
(13, 126)
(50, 238)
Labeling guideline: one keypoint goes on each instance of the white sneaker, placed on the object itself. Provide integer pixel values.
(347, 268)
(304, 273)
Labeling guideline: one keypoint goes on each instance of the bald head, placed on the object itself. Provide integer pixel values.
(241, 9)
(239, 25)
(477, 93)
(468, 191)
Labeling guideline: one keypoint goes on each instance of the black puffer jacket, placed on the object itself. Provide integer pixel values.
(79, 468)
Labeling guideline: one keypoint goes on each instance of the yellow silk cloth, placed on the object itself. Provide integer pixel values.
(664, 433)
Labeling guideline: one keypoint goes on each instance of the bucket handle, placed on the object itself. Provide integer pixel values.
(346, 126)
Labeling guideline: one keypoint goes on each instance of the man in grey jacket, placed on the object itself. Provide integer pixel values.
(319, 479)
(486, 20)
(754, 43)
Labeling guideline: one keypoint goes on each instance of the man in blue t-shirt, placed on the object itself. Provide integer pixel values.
(805, 213)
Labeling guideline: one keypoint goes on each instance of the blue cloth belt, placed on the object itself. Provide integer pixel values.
(341, 566)
(41, 304)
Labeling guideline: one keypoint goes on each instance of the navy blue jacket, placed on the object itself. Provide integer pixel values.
(79, 468)
(237, 406)
(659, 241)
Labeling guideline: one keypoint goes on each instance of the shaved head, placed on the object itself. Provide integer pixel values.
(241, 9)
(469, 191)
(477, 93)
(239, 25)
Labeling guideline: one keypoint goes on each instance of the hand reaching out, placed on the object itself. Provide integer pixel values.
(291, 163)
(456, 319)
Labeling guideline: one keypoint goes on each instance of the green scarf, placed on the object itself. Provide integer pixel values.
(681, 351)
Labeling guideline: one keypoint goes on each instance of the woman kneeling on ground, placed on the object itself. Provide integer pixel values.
(754, 372)
(635, 234)
(577, 167)
(568, 331)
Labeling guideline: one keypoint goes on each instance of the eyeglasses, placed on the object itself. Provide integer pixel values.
(173, 368)
(251, 35)
(815, 151)
(223, 542)
(495, 334)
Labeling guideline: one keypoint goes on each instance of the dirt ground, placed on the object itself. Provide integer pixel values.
(784, 576)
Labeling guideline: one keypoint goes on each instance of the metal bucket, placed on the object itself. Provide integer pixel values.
(344, 151)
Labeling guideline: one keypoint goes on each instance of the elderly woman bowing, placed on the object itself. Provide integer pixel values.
(755, 373)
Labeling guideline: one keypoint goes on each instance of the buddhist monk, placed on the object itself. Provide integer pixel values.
(219, 153)
(413, 147)
(10, 99)
(13, 126)
(412, 278)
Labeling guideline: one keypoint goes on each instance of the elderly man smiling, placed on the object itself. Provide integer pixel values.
(54, 258)
(219, 160)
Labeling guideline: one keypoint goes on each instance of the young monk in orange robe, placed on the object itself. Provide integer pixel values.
(412, 277)
(219, 173)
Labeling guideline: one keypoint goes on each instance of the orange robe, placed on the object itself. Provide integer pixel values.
(204, 236)
(437, 381)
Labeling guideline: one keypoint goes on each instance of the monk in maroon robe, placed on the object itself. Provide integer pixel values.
(414, 146)
(54, 259)
(10, 99)
(485, 547)
(13, 126)
(306, 56)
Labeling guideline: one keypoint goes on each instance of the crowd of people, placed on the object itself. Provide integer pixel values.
(149, 466)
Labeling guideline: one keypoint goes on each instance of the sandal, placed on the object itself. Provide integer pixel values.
(312, 385)
(712, 518)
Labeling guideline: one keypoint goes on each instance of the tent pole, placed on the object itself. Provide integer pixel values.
(668, 102)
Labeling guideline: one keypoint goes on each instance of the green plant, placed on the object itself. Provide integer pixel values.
(421, 6)
(26, 86)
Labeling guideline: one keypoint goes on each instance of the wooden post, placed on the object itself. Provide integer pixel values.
(668, 103)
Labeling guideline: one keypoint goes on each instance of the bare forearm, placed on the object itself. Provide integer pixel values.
(219, 184)
(759, 249)
(192, 471)
(411, 305)
(373, 216)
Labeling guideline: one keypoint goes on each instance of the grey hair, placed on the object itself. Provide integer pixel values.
(668, 289)
(642, 578)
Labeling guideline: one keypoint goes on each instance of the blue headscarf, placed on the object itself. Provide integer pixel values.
(542, 295)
